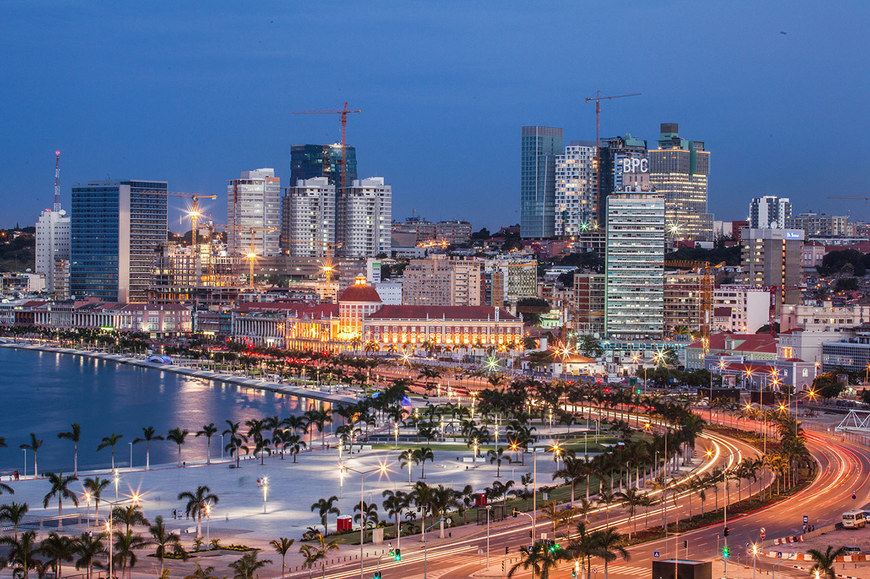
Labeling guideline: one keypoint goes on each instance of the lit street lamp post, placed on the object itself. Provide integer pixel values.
(382, 469)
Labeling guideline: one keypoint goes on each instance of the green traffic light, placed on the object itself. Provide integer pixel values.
(726, 552)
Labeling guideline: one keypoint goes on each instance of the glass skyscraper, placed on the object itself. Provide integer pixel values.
(115, 231)
(310, 161)
(539, 148)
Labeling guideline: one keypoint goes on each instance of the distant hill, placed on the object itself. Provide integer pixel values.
(17, 250)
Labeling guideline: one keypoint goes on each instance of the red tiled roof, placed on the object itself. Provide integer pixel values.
(360, 292)
(440, 312)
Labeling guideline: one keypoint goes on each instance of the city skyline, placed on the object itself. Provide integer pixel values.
(758, 90)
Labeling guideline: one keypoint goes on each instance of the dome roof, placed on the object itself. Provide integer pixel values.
(360, 291)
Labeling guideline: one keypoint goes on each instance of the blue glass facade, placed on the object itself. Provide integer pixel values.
(540, 145)
(116, 228)
(309, 161)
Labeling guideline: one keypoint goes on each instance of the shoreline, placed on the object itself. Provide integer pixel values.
(287, 389)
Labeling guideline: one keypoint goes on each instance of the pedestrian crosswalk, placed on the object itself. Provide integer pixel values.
(625, 571)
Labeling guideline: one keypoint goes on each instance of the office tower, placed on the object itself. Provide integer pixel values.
(308, 218)
(310, 161)
(365, 218)
(624, 166)
(772, 258)
(253, 213)
(634, 304)
(539, 148)
(576, 190)
(821, 225)
(769, 212)
(438, 281)
(52, 250)
(678, 171)
(115, 231)
(587, 319)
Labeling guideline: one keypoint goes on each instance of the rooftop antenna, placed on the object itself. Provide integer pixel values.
(57, 180)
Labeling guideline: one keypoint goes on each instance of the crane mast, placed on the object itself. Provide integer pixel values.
(57, 181)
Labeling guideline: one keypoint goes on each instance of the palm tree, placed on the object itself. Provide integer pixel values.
(110, 441)
(295, 443)
(608, 546)
(34, 448)
(5, 488)
(164, 539)
(540, 558)
(208, 431)
(237, 440)
(22, 553)
(281, 546)
(88, 547)
(583, 547)
(200, 573)
(129, 516)
(422, 455)
(395, 503)
(13, 513)
(317, 553)
(633, 499)
(196, 502)
(95, 487)
(367, 515)
(324, 508)
(125, 547)
(824, 561)
(407, 458)
(74, 434)
(573, 470)
(247, 565)
(498, 456)
(57, 549)
(60, 488)
(606, 497)
(177, 436)
(148, 434)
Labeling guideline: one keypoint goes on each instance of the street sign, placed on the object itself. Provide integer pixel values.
(747, 543)
(806, 519)
(779, 554)
(763, 533)
(656, 554)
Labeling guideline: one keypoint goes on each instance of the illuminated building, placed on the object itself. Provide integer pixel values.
(587, 319)
(438, 281)
(678, 171)
(576, 195)
(814, 224)
(539, 148)
(53, 250)
(682, 301)
(311, 161)
(308, 218)
(365, 218)
(253, 202)
(624, 166)
(634, 267)
(115, 229)
(769, 212)
(772, 257)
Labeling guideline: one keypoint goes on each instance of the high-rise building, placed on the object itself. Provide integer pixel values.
(769, 212)
(634, 267)
(576, 190)
(624, 166)
(365, 218)
(589, 304)
(821, 225)
(684, 301)
(308, 218)
(539, 148)
(438, 281)
(52, 250)
(678, 171)
(115, 231)
(772, 257)
(253, 213)
(310, 161)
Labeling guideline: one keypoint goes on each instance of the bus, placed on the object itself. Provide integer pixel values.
(854, 520)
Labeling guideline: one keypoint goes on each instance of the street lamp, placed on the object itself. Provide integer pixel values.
(488, 509)
(264, 484)
(754, 558)
(208, 523)
(381, 470)
(116, 478)
(425, 559)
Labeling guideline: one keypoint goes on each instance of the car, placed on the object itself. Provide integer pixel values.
(852, 550)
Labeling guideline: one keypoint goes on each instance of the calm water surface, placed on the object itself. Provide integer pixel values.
(44, 393)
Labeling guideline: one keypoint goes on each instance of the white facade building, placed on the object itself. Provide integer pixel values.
(308, 218)
(634, 287)
(769, 212)
(253, 211)
(748, 308)
(53, 250)
(390, 292)
(365, 218)
(576, 197)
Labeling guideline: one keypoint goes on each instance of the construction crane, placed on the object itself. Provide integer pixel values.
(706, 292)
(598, 98)
(251, 255)
(344, 112)
(849, 197)
(57, 181)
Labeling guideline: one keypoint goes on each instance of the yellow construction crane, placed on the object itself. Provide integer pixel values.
(706, 304)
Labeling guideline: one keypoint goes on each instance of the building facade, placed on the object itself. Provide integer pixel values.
(683, 301)
(589, 304)
(823, 317)
(624, 165)
(308, 218)
(769, 212)
(365, 218)
(53, 250)
(740, 309)
(678, 171)
(821, 225)
(538, 150)
(254, 213)
(634, 303)
(115, 229)
(576, 190)
(311, 161)
(438, 281)
(772, 258)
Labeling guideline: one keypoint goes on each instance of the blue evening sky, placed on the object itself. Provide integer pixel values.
(195, 92)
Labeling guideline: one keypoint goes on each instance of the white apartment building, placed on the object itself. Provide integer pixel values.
(823, 317)
(254, 213)
(438, 281)
(576, 183)
(308, 218)
(769, 212)
(53, 250)
(634, 286)
(365, 218)
(741, 309)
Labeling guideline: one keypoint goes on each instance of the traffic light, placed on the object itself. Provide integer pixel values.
(726, 551)
(554, 547)
(506, 550)
(726, 530)
(638, 391)
(377, 575)
(397, 555)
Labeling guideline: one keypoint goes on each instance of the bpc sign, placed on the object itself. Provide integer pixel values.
(635, 165)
